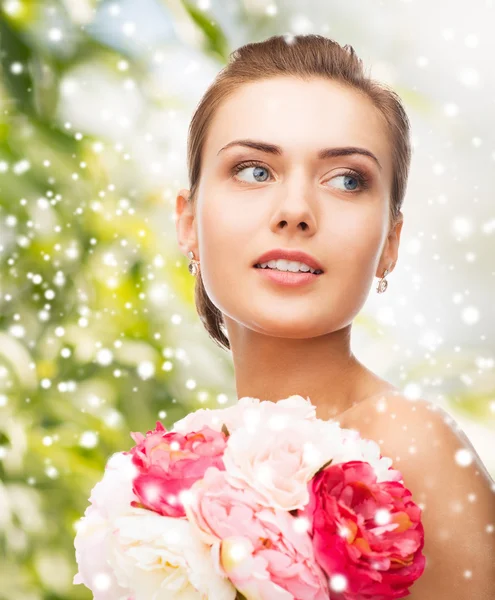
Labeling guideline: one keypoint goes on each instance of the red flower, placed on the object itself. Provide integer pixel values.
(170, 462)
(368, 532)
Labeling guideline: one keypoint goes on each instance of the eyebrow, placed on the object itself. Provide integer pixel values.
(321, 154)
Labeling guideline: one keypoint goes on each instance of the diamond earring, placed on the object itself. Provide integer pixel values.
(194, 264)
(383, 283)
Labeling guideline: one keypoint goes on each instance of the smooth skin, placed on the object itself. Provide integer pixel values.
(284, 340)
(288, 341)
(449, 482)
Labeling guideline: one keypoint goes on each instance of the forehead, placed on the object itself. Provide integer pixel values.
(301, 116)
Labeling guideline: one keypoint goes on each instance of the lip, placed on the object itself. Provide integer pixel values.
(287, 254)
(287, 278)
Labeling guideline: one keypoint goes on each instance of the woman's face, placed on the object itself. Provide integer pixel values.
(293, 200)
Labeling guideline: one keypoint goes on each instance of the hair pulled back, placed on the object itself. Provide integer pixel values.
(306, 57)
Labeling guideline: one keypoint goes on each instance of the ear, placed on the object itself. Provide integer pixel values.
(390, 252)
(185, 223)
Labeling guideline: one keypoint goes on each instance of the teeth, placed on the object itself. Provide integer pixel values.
(287, 265)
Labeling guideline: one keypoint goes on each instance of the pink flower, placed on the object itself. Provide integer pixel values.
(266, 553)
(368, 533)
(280, 457)
(169, 463)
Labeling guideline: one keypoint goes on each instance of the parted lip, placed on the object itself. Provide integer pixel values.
(288, 254)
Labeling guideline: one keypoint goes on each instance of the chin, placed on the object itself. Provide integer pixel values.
(289, 328)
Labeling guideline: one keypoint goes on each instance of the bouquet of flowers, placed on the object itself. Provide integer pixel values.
(257, 501)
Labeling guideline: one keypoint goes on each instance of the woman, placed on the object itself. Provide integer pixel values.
(298, 166)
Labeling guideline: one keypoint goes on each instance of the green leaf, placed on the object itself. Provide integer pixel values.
(324, 466)
(4, 439)
(15, 50)
(216, 42)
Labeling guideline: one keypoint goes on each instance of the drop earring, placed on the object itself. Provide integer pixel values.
(194, 264)
(383, 283)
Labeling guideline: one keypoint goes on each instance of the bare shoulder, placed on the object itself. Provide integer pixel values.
(449, 481)
(394, 418)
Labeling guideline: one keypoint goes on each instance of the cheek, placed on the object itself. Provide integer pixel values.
(227, 233)
(228, 226)
(358, 240)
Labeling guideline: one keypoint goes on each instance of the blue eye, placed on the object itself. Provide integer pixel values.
(258, 170)
(349, 175)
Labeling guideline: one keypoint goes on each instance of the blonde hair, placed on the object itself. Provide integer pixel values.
(306, 57)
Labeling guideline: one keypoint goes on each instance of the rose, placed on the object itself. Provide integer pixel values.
(279, 457)
(169, 463)
(266, 553)
(367, 532)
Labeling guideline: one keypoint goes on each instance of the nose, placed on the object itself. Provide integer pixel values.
(294, 207)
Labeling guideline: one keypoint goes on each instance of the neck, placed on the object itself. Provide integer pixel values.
(323, 368)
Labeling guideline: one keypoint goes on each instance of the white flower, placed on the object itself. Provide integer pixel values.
(213, 417)
(161, 558)
(109, 498)
(251, 413)
(353, 447)
(127, 553)
(248, 412)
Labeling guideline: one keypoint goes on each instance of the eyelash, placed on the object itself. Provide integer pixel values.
(362, 178)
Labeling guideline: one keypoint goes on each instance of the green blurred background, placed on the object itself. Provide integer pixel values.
(98, 330)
